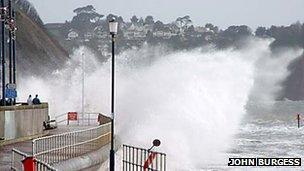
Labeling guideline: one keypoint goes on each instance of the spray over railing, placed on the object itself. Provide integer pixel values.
(56, 148)
(18, 157)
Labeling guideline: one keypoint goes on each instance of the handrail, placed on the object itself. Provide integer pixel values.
(82, 118)
(18, 157)
(55, 148)
(40, 165)
(77, 144)
(135, 158)
(66, 133)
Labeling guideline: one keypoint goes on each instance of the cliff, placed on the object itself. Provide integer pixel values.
(37, 51)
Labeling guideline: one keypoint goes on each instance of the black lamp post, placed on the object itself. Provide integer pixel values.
(3, 15)
(113, 27)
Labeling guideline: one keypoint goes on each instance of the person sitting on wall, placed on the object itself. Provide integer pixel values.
(36, 101)
(29, 100)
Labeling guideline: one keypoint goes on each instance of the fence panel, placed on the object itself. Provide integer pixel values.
(42, 166)
(56, 148)
(17, 158)
(139, 159)
(82, 119)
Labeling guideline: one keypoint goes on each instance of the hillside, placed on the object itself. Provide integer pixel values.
(37, 51)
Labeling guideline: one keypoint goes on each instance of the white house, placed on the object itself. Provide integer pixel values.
(72, 35)
(201, 29)
(88, 36)
(136, 32)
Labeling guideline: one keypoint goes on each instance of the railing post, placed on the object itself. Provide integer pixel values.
(13, 159)
(33, 148)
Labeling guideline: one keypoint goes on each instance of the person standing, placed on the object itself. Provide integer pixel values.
(29, 100)
(36, 101)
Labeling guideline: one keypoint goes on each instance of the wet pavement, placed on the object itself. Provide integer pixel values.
(26, 146)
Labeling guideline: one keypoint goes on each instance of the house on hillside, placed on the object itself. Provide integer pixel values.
(175, 30)
(165, 33)
(100, 33)
(135, 32)
(148, 27)
(88, 36)
(201, 29)
(72, 35)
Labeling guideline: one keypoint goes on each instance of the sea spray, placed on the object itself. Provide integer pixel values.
(192, 101)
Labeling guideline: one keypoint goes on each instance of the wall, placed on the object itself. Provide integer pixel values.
(22, 120)
(2, 124)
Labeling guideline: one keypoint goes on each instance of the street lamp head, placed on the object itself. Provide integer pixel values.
(113, 26)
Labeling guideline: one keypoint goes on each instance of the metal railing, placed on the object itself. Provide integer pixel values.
(42, 166)
(140, 159)
(18, 157)
(83, 119)
(56, 148)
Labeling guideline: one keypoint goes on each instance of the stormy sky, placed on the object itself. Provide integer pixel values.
(219, 12)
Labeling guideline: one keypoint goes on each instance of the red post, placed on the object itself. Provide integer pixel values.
(29, 164)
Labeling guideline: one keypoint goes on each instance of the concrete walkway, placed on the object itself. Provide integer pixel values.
(26, 146)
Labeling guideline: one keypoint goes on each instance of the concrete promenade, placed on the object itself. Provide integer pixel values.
(26, 146)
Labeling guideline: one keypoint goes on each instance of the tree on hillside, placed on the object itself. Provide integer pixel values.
(287, 36)
(237, 31)
(149, 20)
(261, 32)
(112, 16)
(211, 27)
(85, 19)
(183, 22)
(134, 19)
(141, 22)
(120, 19)
(158, 26)
(86, 9)
(88, 12)
(233, 36)
(190, 30)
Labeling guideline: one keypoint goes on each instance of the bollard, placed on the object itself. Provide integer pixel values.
(29, 164)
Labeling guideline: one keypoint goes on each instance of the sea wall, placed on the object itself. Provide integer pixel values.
(22, 120)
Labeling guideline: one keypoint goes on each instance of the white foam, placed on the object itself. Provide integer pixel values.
(192, 101)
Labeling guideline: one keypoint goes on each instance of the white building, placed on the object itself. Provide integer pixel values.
(135, 32)
(72, 35)
(88, 37)
(201, 29)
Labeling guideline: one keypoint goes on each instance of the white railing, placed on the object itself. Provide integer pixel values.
(18, 157)
(42, 166)
(56, 148)
(83, 119)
